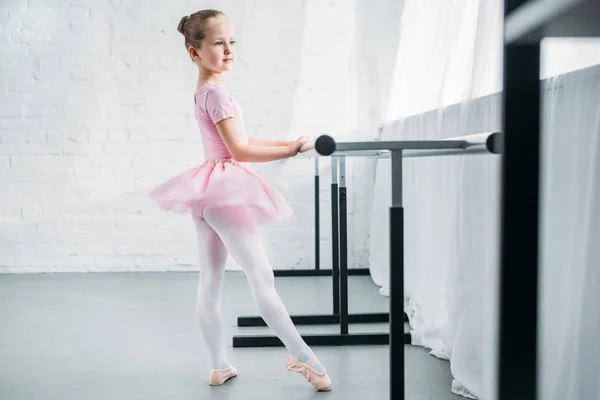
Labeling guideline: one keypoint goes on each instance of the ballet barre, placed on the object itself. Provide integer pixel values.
(485, 143)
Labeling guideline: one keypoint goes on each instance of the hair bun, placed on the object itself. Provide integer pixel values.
(181, 26)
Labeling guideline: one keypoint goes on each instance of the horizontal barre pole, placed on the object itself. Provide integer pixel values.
(470, 149)
(356, 153)
(468, 144)
(385, 154)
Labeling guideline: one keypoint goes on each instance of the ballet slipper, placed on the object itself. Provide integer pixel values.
(320, 381)
(220, 376)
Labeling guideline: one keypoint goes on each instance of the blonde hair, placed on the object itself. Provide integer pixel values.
(193, 27)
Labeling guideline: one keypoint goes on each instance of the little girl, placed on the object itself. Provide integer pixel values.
(228, 200)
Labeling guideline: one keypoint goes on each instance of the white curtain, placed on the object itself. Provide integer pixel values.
(448, 75)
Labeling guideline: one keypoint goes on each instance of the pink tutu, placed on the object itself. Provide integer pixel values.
(221, 183)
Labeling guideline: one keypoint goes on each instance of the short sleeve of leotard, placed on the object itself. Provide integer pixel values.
(219, 104)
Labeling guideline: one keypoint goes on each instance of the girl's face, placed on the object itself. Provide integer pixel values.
(218, 47)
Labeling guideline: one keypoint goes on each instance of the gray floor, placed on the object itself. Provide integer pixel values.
(133, 336)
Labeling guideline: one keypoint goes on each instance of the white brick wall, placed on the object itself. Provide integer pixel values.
(96, 108)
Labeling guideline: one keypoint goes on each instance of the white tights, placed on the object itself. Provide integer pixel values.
(232, 230)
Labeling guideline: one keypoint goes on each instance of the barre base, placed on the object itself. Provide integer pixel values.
(326, 319)
(334, 339)
(317, 272)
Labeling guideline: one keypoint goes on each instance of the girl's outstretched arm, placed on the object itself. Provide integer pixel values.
(269, 143)
(261, 142)
(248, 152)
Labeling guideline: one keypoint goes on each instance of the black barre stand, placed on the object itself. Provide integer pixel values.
(317, 271)
(340, 273)
(398, 150)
